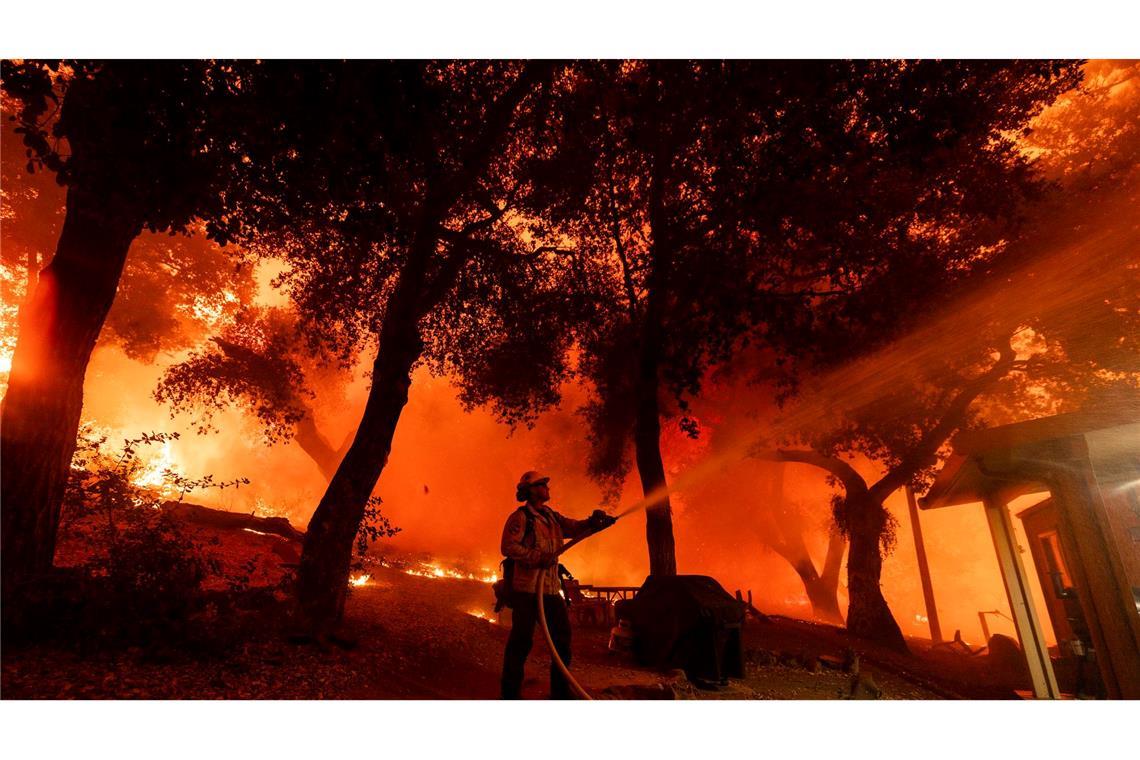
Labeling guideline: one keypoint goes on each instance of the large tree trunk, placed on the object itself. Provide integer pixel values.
(40, 417)
(651, 469)
(322, 579)
(647, 425)
(868, 615)
(785, 536)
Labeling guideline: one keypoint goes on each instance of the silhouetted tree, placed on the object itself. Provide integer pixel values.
(259, 363)
(642, 184)
(900, 407)
(400, 179)
(782, 526)
(172, 288)
(722, 202)
(1076, 347)
(135, 159)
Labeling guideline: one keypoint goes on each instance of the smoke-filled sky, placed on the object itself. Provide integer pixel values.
(449, 482)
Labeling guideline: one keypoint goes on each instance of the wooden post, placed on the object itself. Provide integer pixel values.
(1020, 603)
(923, 569)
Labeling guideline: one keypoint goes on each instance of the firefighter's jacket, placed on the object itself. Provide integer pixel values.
(550, 530)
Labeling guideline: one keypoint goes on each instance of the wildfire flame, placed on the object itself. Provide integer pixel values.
(436, 570)
(358, 580)
(153, 474)
(481, 615)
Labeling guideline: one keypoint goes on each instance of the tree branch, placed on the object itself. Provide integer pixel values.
(472, 163)
(623, 258)
(550, 249)
(852, 481)
(925, 451)
(476, 226)
(496, 122)
(236, 352)
(445, 276)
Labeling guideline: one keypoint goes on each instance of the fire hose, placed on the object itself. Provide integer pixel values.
(538, 589)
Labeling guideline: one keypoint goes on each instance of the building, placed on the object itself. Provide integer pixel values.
(1084, 538)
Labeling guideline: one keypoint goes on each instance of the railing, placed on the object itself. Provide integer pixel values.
(608, 593)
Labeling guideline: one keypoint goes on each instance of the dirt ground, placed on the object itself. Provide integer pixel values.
(415, 638)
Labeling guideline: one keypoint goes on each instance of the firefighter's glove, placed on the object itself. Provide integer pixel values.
(599, 520)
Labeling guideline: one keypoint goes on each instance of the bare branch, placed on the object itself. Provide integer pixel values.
(495, 214)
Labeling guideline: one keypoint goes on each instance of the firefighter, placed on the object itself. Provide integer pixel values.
(532, 538)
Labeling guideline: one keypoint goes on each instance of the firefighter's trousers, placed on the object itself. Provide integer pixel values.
(524, 616)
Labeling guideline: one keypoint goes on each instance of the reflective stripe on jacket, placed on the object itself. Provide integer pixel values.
(550, 529)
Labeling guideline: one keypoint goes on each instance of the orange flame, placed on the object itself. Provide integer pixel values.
(153, 474)
(435, 570)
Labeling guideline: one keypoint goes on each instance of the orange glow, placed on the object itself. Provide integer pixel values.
(153, 473)
(449, 481)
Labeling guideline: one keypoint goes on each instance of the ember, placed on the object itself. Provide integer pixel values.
(358, 580)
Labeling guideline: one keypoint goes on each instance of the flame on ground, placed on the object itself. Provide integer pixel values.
(435, 570)
(481, 615)
(358, 580)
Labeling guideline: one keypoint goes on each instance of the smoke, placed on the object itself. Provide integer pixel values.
(449, 483)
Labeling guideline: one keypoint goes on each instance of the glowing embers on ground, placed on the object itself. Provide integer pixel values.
(487, 616)
(433, 569)
(358, 580)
